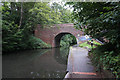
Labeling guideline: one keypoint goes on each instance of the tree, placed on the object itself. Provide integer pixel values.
(62, 15)
(20, 20)
(17, 27)
(101, 20)
(68, 40)
(21, 14)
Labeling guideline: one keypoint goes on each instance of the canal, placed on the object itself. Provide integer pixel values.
(41, 63)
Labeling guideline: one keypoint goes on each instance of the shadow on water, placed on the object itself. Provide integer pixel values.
(42, 63)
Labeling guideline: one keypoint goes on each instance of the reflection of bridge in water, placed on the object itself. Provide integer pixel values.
(53, 34)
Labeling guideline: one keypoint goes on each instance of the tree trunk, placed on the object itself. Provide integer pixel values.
(20, 23)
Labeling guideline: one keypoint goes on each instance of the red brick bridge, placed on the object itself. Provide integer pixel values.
(52, 35)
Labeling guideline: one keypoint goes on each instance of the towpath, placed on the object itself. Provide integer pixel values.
(79, 65)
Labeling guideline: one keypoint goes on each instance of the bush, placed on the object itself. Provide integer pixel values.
(14, 39)
(34, 43)
(103, 57)
(68, 40)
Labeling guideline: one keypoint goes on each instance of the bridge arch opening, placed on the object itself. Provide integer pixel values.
(59, 36)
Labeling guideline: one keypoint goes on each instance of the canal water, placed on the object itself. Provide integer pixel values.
(41, 63)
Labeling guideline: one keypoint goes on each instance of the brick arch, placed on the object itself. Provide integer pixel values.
(58, 37)
(48, 35)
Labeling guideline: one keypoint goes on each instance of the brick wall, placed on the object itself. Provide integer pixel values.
(48, 34)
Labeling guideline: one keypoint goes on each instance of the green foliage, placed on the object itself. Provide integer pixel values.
(40, 13)
(68, 40)
(102, 58)
(44, 14)
(101, 20)
(10, 38)
(61, 15)
(19, 20)
(15, 37)
(34, 43)
(85, 44)
(96, 43)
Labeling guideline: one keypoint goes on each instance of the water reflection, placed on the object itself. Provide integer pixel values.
(62, 54)
(42, 63)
